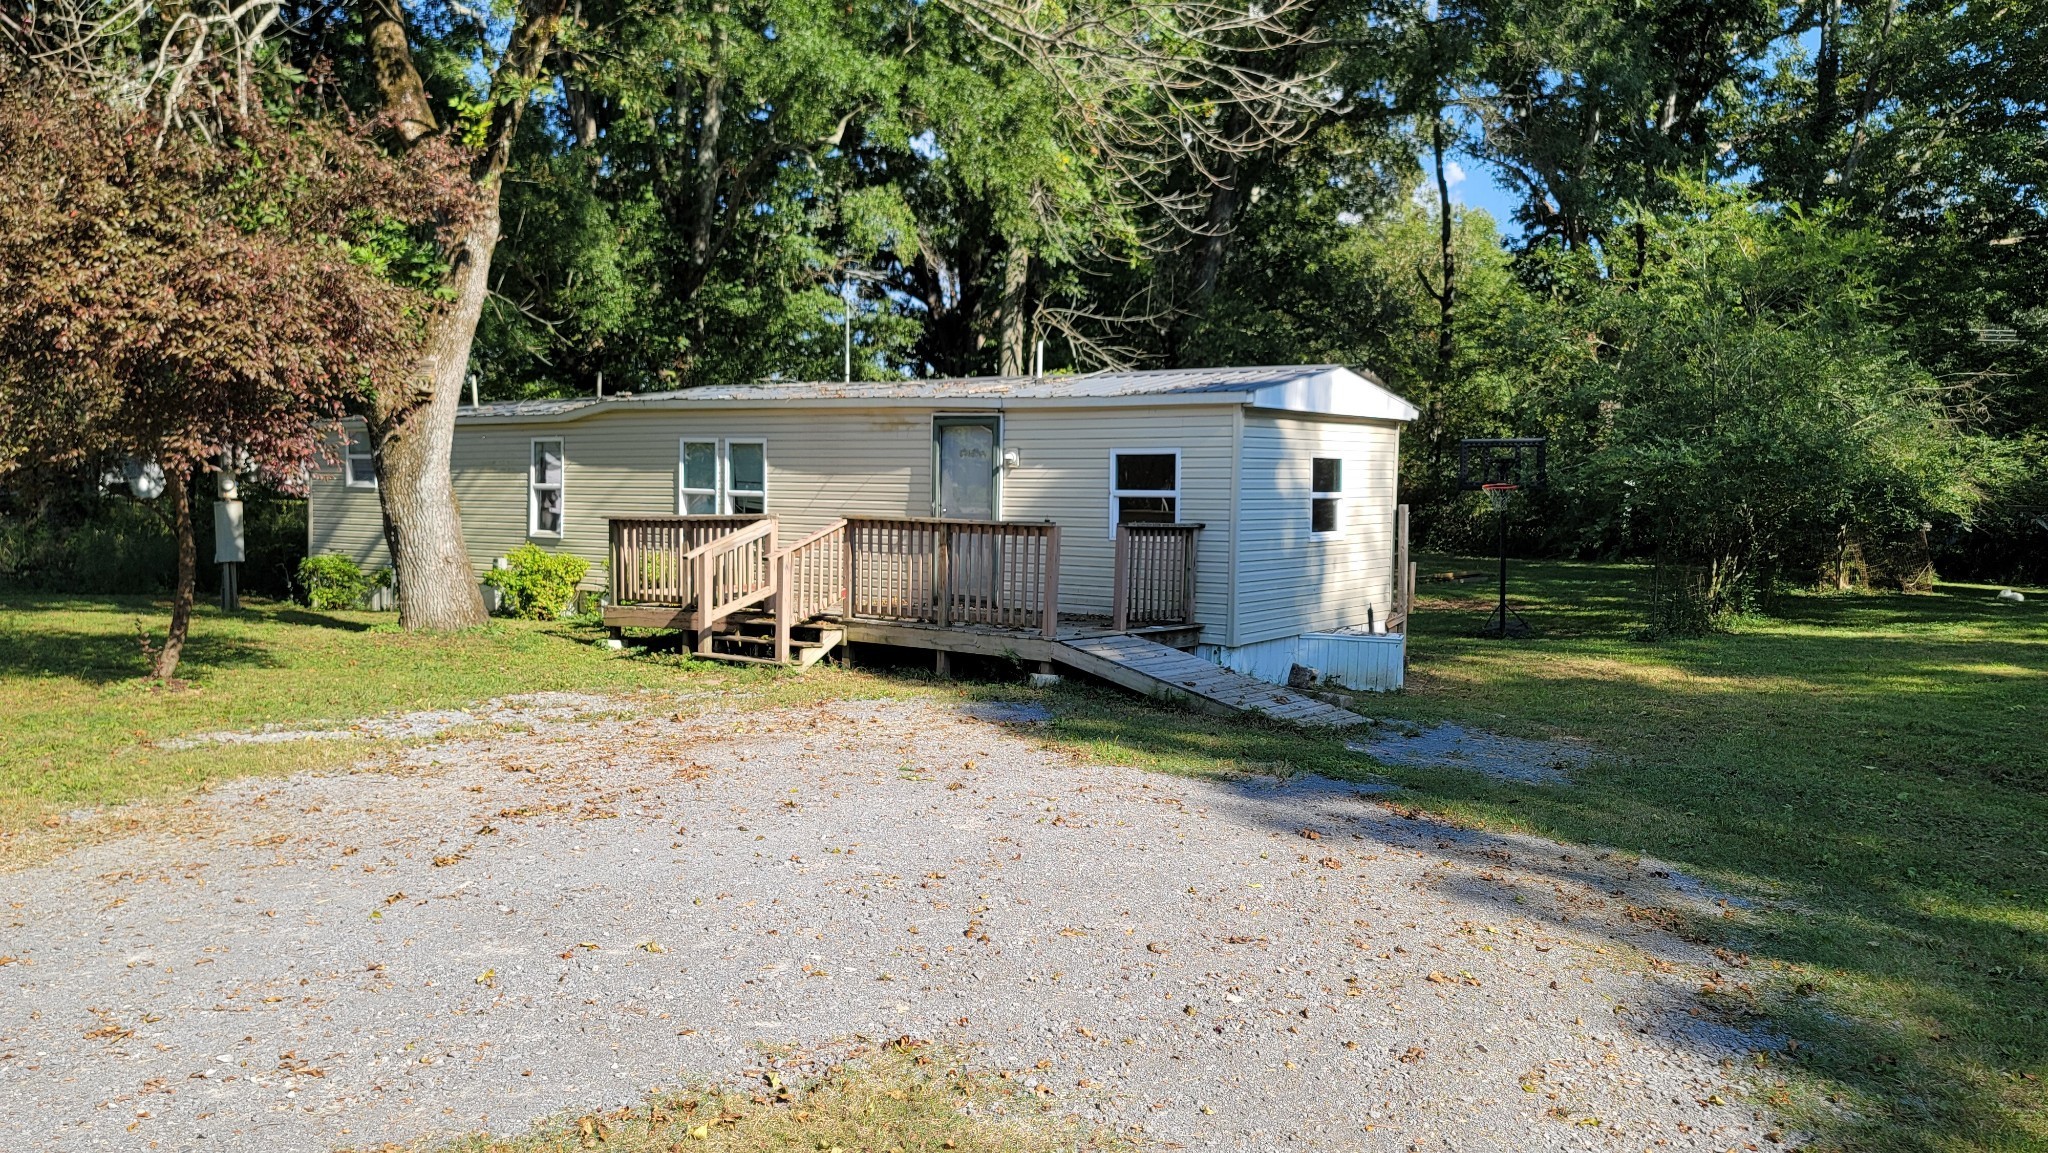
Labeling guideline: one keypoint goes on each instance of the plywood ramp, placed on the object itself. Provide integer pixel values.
(1158, 671)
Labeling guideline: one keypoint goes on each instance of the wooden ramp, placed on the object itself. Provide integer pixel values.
(1158, 671)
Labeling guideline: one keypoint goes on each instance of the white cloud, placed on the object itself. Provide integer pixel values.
(1454, 173)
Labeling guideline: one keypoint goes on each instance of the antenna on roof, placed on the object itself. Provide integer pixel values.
(600, 384)
(846, 311)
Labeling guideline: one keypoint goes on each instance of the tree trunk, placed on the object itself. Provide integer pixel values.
(178, 487)
(1447, 254)
(1016, 280)
(437, 588)
(412, 422)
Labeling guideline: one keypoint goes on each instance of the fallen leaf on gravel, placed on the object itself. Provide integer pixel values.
(394, 898)
(651, 945)
(1436, 978)
(488, 978)
(443, 862)
(1158, 947)
(1244, 940)
(586, 944)
(1414, 1054)
(1331, 863)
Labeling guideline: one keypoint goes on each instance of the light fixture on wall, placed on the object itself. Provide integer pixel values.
(1011, 457)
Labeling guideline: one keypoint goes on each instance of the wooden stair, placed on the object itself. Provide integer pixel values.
(1158, 671)
(748, 638)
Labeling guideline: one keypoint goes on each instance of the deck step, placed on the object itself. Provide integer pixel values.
(1156, 670)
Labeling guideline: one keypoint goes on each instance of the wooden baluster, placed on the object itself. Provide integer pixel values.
(1189, 571)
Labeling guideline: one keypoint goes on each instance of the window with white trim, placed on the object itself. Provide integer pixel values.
(746, 477)
(359, 467)
(697, 478)
(722, 477)
(1144, 487)
(1326, 496)
(544, 490)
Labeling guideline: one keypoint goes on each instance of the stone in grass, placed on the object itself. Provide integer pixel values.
(2012, 596)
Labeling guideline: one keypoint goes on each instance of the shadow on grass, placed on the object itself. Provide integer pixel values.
(314, 619)
(96, 658)
(1870, 767)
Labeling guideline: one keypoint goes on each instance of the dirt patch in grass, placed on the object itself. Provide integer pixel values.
(903, 1097)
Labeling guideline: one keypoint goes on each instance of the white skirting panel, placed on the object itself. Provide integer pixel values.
(1372, 662)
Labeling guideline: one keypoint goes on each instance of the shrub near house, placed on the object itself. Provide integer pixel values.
(538, 585)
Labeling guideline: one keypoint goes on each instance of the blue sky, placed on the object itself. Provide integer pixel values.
(1474, 185)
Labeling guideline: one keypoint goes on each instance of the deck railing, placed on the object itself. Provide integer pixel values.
(731, 572)
(647, 565)
(1155, 575)
(811, 578)
(954, 572)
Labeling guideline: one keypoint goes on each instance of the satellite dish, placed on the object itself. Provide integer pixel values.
(145, 477)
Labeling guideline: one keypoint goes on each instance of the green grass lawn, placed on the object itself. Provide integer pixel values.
(1874, 767)
(83, 728)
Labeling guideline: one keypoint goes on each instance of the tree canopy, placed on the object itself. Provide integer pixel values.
(1773, 271)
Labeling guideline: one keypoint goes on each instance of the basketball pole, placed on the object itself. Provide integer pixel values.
(1500, 518)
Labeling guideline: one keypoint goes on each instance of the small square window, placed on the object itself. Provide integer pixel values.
(1144, 488)
(359, 465)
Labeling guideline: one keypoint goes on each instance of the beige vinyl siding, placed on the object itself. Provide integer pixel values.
(1063, 475)
(341, 519)
(825, 463)
(820, 466)
(1290, 581)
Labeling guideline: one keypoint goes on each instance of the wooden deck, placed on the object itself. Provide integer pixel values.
(986, 588)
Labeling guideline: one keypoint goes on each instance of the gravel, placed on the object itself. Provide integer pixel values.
(514, 923)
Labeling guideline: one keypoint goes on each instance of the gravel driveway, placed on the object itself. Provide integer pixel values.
(575, 906)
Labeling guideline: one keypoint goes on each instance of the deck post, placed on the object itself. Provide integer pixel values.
(943, 579)
(1404, 595)
(1051, 609)
(784, 577)
(702, 580)
(1187, 577)
(1120, 595)
(612, 527)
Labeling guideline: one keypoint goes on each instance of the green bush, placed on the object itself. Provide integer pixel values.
(539, 585)
(332, 581)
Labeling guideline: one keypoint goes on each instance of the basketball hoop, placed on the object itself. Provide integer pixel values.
(1498, 494)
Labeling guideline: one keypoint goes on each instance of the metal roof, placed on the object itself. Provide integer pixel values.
(1246, 385)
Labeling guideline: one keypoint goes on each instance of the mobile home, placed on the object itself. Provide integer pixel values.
(1246, 515)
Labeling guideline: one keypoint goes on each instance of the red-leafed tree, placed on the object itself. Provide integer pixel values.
(201, 292)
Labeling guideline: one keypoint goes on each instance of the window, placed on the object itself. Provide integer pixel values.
(361, 470)
(746, 477)
(716, 478)
(1144, 487)
(1326, 482)
(544, 490)
(697, 494)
